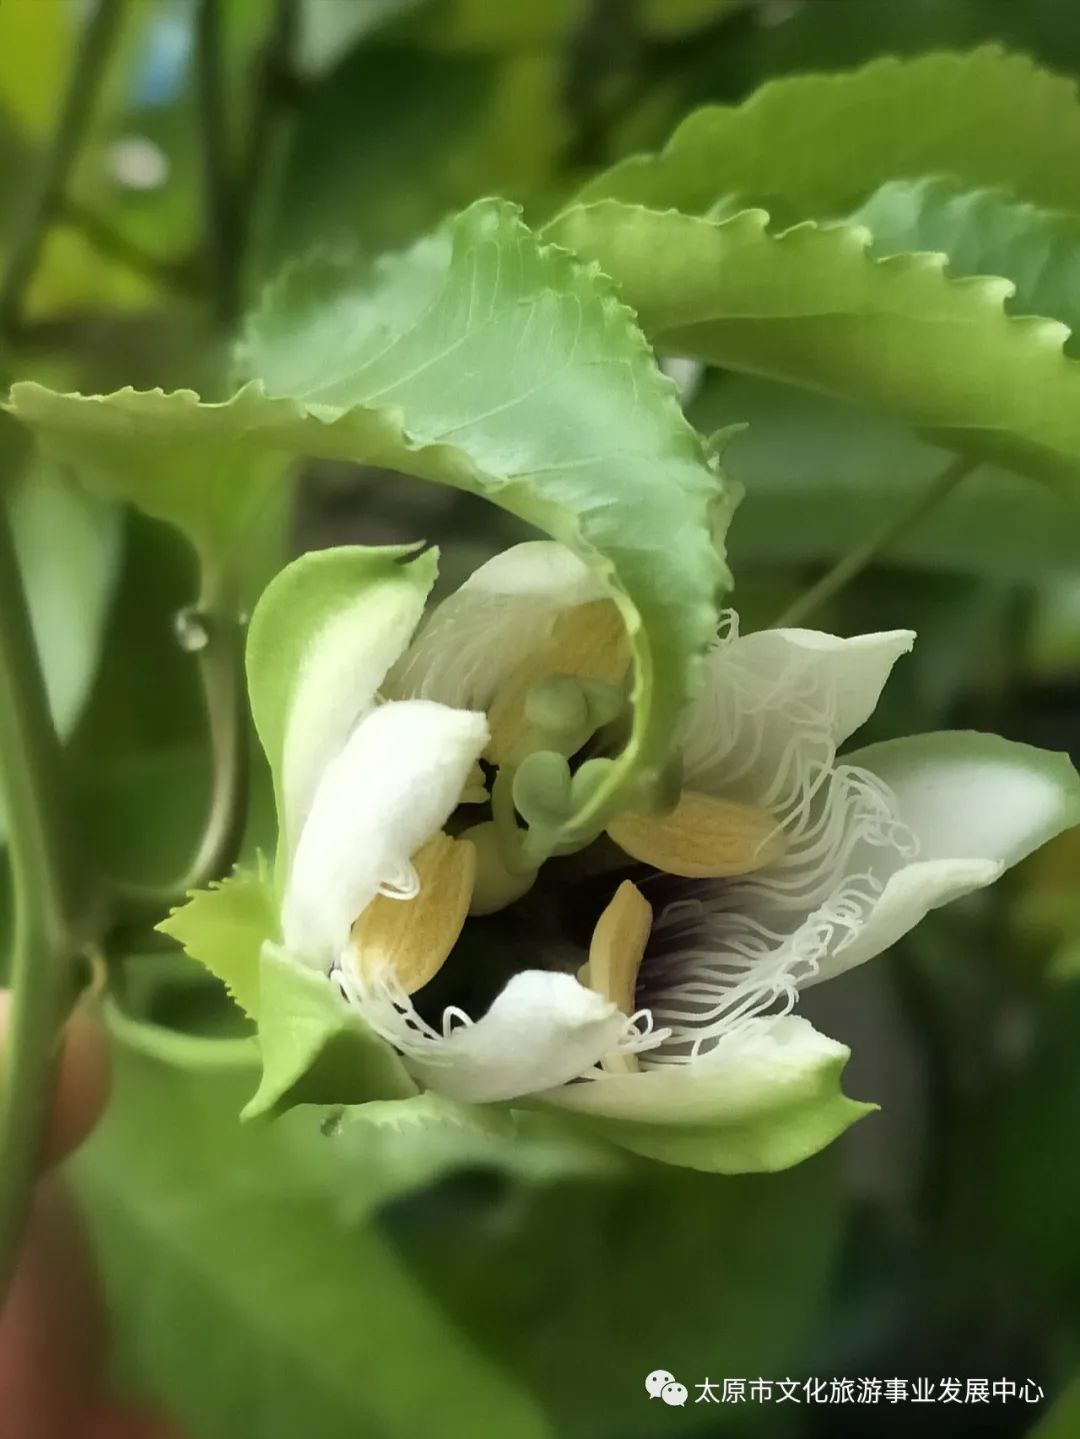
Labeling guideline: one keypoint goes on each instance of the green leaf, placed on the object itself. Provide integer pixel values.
(562, 1289)
(812, 308)
(512, 371)
(984, 232)
(817, 145)
(484, 1305)
(820, 475)
(36, 48)
(261, 1236)
(224, 928)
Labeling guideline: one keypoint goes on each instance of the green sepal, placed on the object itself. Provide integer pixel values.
(326, 622)
(315, 1049)
(765, 1144)
(224, 928)
(761, 1116)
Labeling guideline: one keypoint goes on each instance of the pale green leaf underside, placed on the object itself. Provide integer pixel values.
(523, 380)
(984, 232)
(811, 307)
(817, 145)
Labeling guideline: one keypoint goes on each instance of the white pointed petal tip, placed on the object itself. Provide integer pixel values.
(976, 804)
(543, 1030)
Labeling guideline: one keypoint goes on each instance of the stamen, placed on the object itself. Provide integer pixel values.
(702, 838)
(615, 955)
(413, 939)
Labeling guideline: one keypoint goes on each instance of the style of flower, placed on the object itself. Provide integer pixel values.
(647, 979)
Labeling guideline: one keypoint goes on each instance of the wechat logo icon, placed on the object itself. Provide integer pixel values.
(661, 1384)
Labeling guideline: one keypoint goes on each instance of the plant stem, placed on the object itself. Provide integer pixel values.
(279, 92)
(856, 560)
(219, 192)
(52, 914)
(213, 631)
(71, 129)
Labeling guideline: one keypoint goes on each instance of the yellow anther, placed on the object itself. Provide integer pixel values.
(701, 838)
(413, 937)
(615, 954)
(588, 641)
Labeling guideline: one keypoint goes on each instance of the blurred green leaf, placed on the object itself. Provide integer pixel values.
(817, 145)
(820, 475)
(257, 1238)
(1035, 1193)
(37, 46)
(589, 1288)
(810, 307)
(1062, 1421)
(460, 383)
(479, 25)
(517, 1297)
(984, 232)
(329, 29)
(458, 125)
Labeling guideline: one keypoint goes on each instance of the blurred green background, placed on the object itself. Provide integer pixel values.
(264, 1283)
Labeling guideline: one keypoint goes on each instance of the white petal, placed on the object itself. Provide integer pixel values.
(392, 786)
(976, 796)
(908, 897)
(543, 1030)
(481, 633)
(764, 689)
(766, 1064)
(977, 804)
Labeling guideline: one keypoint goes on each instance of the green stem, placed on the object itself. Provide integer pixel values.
(71, 130)
(52, 916)
(219, 192)
(857, 560)
(212, 630)
(276, 101)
